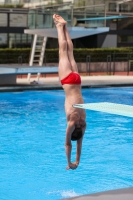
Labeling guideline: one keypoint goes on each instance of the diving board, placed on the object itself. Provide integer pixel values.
(107, 107)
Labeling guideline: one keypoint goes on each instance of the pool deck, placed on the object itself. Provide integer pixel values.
(53, 83)
(120, 194)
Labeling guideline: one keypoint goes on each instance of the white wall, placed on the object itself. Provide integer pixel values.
(110, 41)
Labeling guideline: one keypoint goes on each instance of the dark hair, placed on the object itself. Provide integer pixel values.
(76, 134)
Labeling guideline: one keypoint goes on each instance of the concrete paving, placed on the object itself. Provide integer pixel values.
(87, 81)
(120, 194)
(53, 82)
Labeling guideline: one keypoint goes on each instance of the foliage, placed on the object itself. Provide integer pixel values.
(55, 3)
(12, 55)
(51, 55)
(80, 3)
(59, 1)
(11, 6)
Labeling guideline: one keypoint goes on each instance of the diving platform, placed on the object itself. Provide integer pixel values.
(27, 69)
(8, 75)
(75, 32)
(38, 47)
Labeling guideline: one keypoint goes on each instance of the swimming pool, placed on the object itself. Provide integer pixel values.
(32, 153)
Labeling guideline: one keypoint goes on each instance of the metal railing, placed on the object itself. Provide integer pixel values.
(117, 57)
(88, 64)
(91, 64)
(109, 64)
(115, 63)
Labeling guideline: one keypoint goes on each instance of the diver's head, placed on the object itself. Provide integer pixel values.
(76, 134)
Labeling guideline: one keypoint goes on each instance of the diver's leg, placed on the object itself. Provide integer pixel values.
(70, 51)
(64, 65)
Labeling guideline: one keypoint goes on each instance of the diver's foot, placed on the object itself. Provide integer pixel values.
(58, 20)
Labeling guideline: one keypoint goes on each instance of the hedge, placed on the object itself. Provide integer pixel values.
(11, 6)
(12, 55)
(51, 55)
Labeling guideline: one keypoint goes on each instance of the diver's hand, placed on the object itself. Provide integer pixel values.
(72, 166)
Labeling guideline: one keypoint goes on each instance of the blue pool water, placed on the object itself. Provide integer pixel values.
(32, 153)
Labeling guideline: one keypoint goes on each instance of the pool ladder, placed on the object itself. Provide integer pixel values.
(37, 53)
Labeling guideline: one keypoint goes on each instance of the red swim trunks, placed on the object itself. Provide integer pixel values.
(72, 78)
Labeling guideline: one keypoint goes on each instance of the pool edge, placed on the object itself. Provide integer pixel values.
(119, 194)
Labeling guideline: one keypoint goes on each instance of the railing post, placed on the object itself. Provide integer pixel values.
(109, 67)
(20, 60)
(128, 64)
(88, 60)
(113, 63)
(72, 13)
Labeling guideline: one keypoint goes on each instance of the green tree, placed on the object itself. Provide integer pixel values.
(59, 1)
(80, 3)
